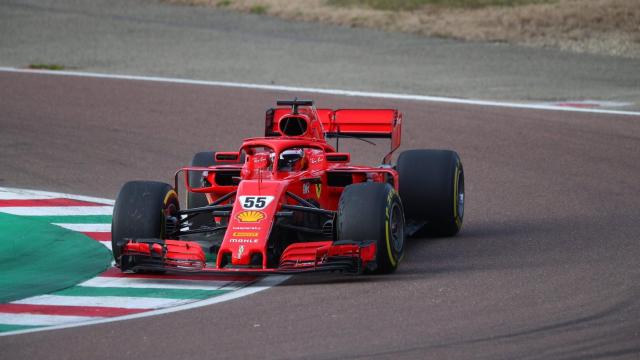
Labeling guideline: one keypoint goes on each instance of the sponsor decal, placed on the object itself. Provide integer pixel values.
(244, 234)
(316, 160)
(318, 190)
(246, 228)
(255, 202)
(250, 216)
(243, 241)
(305, 188)
(389, 198)
(240, 252)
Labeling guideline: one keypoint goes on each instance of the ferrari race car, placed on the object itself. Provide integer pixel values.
(290, 202)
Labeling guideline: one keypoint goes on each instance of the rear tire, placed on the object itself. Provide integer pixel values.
(140, 212)
(432, 189)
(373, 211)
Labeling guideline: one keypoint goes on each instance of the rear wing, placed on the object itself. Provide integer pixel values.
(361, 123)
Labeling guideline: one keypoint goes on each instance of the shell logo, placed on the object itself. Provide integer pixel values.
(250, 216)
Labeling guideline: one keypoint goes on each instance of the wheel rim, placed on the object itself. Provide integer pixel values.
(396, 228)
(169, 210)
(460, 195)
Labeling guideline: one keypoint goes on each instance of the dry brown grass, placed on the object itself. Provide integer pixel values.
(595, 26)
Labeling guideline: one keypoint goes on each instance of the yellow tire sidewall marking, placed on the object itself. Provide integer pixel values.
(169, 194)
(386, 229)
(167, 197)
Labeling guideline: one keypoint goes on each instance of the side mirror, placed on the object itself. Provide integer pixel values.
(198, 179)
(232, 157)
(342, 158)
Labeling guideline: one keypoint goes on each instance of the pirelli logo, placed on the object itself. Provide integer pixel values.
(245, 234)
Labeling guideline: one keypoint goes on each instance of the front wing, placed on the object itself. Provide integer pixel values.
(186, 256)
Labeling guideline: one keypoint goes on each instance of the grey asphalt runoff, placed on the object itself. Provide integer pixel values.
(154, 38)
(546, 266)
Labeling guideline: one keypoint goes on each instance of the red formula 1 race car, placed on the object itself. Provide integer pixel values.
(289, 202)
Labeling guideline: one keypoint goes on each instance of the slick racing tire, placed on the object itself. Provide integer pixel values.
(432, 190)
(143, 210)
(373, 212)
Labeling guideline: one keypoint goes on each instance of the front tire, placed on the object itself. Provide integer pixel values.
(142, 210)
(432, 189)
(373, 211)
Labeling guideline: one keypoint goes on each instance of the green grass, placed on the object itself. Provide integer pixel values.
(258, 9)
(46, 67)
(223, 3)
(398, 5)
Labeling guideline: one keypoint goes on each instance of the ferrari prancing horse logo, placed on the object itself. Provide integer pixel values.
(318, 190)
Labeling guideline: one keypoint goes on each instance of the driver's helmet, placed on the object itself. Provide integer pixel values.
(291, 160)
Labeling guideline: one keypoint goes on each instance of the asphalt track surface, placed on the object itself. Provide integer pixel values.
(545, 267)
(156, 38)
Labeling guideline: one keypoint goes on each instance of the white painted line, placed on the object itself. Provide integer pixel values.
(261, 285)
(126, 302)
(160, 283)
(42, 320)
(381, 95)
(87, 227)
(7, 193)
(107, 244)
(57, 210)
(592, 103)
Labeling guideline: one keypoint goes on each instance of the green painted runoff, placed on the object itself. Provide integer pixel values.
(38, 258)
